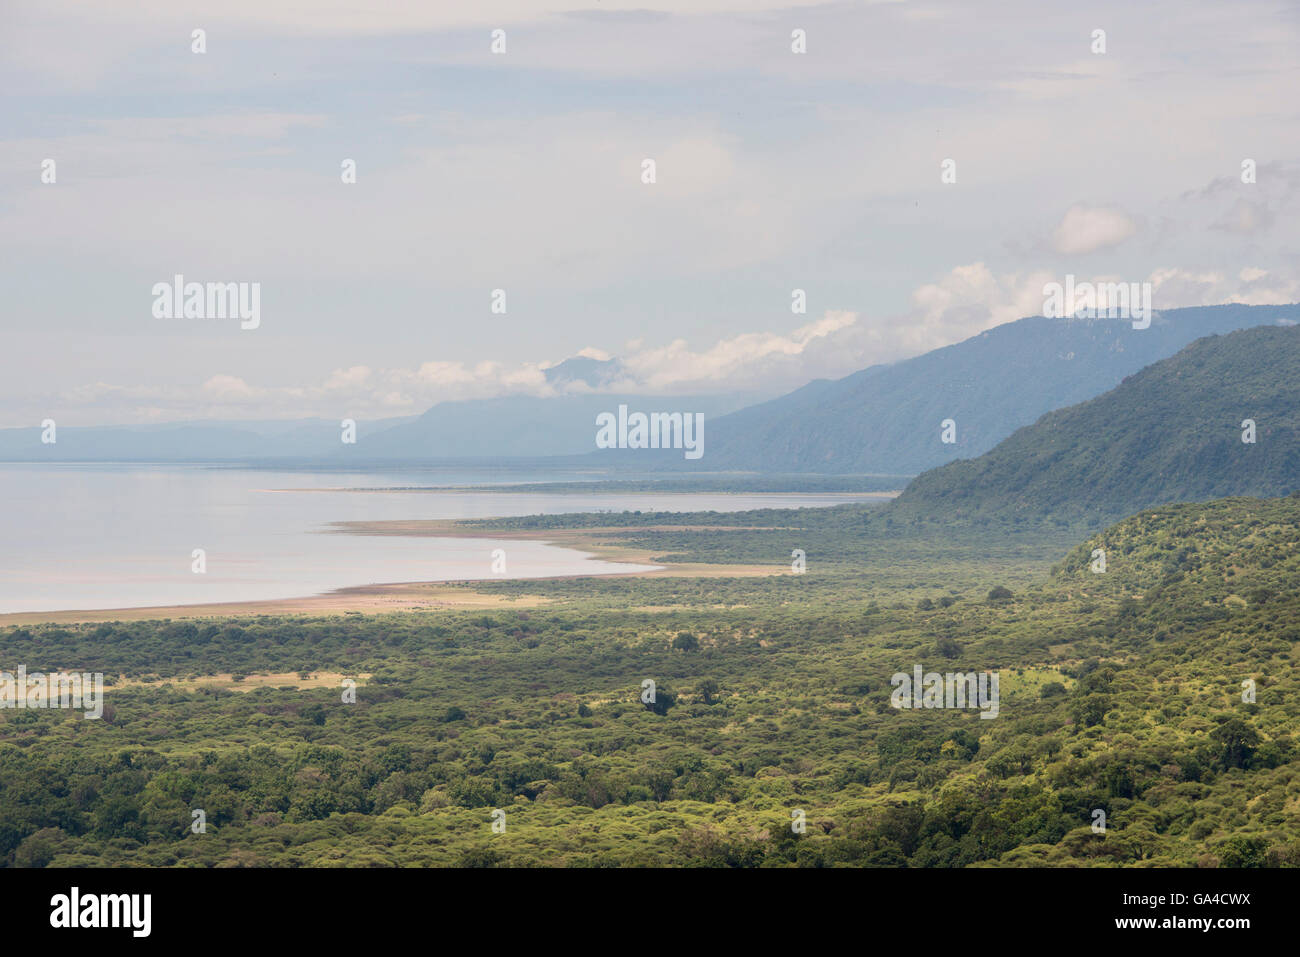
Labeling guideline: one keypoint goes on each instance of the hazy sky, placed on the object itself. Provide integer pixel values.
(522, 171)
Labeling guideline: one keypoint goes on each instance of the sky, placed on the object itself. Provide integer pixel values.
(522, 171)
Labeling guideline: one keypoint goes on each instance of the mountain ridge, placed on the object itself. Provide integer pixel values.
(888, 418)
(1172, 432)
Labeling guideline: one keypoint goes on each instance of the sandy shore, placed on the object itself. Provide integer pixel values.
(588, 540)
(367, 599)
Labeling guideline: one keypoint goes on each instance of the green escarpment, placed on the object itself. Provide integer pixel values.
(1170, 433)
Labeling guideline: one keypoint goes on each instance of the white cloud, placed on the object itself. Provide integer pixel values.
(751, 360)
(229, 388)
(962, 303)
(1173, 287)
(1085, 229)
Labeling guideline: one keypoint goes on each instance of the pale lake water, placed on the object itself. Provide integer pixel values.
(121, 536)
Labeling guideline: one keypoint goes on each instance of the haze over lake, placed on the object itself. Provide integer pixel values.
(122, 536)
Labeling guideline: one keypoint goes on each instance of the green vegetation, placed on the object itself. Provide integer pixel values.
(1170, 433)
(1119, 691)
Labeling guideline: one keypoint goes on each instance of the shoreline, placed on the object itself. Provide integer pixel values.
(378, 599)
(540, 488)
(355, 599)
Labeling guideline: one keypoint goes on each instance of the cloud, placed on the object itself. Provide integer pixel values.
(348, 378)
(965, 301)
(231, 388)
(572, 198)
(1244, 218)
(1252, 286)
(748, 361)
(522, 171)
(1086, 229)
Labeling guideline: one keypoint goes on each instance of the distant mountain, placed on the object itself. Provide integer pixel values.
(509, 427)
(521, 425)
(1171, 433)
(883, 420)
(513, 427)
(593, 373)
(886, 419)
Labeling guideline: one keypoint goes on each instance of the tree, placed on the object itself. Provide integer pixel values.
(686, 642)
(1238, 741)
(664, 699)
(479, 857)
(1243, 852)
(39, 848)
(1090, 710)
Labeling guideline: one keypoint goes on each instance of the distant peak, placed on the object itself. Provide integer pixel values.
(594, 373)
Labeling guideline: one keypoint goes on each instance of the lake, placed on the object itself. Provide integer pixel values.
(122, 536)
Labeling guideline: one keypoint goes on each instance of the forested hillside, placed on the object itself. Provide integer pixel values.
(1171, 433)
